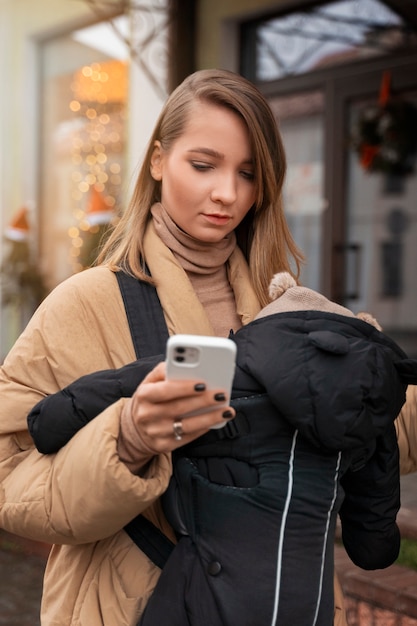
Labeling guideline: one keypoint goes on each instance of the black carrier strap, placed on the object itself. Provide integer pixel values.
(144, 313)
(149, 334)
(150, 540)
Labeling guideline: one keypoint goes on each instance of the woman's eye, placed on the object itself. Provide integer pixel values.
(201, 167)
(248, 175)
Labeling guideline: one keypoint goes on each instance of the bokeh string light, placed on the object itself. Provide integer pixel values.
(99, 93)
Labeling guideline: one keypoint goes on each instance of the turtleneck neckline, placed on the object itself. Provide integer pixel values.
(194, 256)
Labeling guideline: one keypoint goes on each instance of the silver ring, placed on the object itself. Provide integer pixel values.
(178, 431)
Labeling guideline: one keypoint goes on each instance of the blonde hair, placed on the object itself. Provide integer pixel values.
(263, 235)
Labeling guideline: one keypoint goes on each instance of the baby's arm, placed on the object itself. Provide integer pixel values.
(55, 419)
(372, 499)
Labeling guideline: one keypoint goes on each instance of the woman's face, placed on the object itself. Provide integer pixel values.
(207, 175)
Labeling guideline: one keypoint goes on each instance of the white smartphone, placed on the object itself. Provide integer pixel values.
(209, 359)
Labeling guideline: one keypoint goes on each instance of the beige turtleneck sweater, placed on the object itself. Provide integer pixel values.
(205, 266)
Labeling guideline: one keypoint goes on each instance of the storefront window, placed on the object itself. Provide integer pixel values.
(82, 164)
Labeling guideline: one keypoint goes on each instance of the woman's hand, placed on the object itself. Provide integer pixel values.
(154, 411)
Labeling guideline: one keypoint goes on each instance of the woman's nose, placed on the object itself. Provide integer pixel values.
(224, 190)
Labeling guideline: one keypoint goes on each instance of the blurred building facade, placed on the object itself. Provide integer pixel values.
(83, 82)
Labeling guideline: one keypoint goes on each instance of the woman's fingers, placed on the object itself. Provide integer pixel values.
(158, 407)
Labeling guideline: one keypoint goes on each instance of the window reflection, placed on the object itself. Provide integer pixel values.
(333, 33)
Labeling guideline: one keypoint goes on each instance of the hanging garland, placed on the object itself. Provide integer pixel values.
(385, 136)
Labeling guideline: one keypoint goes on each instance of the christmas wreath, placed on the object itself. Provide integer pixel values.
(385, 136)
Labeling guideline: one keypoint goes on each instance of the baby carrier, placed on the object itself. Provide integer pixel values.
(254, 506)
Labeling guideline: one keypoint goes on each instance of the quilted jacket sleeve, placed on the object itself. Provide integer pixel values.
(55, 419)
(83, 492)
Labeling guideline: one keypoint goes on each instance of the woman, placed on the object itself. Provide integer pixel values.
(206, 219)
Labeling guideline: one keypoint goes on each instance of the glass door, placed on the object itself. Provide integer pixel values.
(301, 122)
(380, 250)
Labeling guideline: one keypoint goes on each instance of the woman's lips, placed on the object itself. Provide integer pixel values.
(218, 219)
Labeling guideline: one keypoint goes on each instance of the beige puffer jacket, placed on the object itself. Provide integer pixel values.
(83, 495)
(406, 425)
(80, 498)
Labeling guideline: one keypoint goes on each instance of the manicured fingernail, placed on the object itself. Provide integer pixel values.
(227, 414)
(199, 387)
(219, 397)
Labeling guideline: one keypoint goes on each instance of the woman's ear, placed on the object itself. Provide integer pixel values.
(156, 161)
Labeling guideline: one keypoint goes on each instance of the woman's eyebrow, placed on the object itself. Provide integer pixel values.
(217, 155)
(208, 151)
